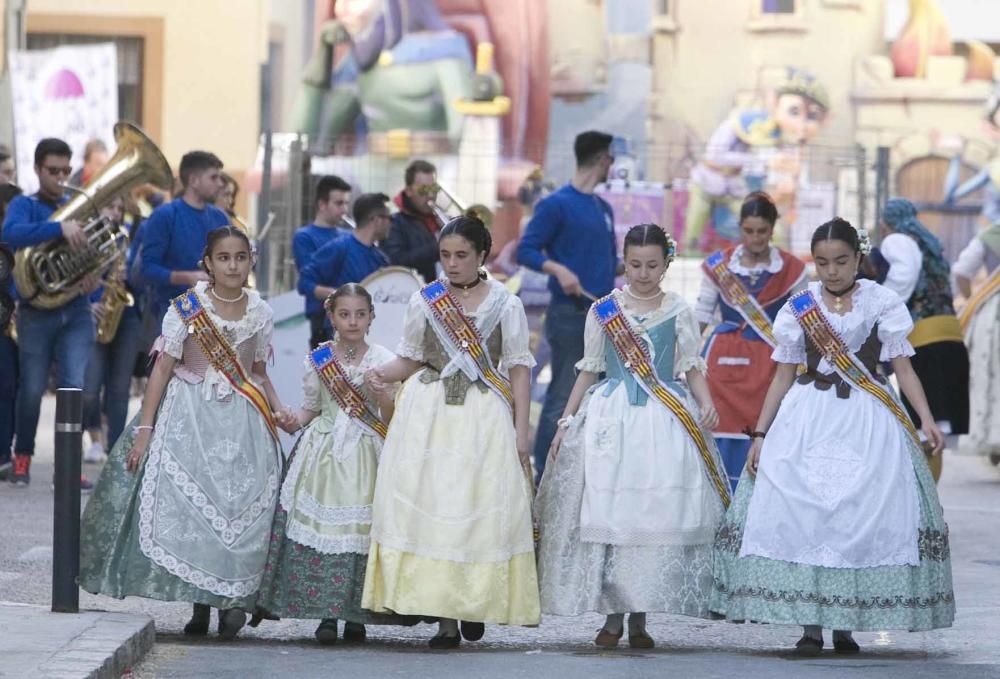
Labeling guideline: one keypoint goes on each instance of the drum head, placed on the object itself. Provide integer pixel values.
(391, 289)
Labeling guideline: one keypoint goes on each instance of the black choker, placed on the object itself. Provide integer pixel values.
(466, 286)
(842, 292)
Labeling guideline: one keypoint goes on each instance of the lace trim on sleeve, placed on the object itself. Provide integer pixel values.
(896, 348)
(689, 362)
(590, 365)
(786, 353)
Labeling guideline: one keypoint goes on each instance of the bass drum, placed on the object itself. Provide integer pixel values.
(391, 289)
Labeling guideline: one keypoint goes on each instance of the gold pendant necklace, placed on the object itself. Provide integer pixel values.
(838, 297)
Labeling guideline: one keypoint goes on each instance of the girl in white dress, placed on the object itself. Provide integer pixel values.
(630, 500)
(451, 534)
(319, 541)
(183, 509)
(836, 521)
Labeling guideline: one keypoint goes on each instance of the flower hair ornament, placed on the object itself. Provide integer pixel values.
(671, 247)
(864, 242)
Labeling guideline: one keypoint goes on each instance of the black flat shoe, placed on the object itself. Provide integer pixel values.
(261, 614)
(807, 647)
(444, 642)
(472, 631)
(326, 633)
(355, 632)
(197, 626)
(846, 646)
(231, 621)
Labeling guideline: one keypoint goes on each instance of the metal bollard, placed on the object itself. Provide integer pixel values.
(66, 512)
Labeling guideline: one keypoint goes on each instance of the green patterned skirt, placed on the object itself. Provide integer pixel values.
(860, 599)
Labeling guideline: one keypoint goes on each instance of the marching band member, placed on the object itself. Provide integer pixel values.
(64, 335)
(319, 541)
(333, 200)
(980, 321)
(183, 508)
(748, 283)
(836, 522)
(634, 488)
(451, 532)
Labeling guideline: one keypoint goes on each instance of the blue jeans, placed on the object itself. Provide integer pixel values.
(8, 393)
(65, 335)
(564, 325)
(111, 366)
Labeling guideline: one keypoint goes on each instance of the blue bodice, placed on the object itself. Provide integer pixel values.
(664, 337)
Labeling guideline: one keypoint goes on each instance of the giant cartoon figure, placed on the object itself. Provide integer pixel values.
(988, 178)
(754, 150)
(384, 66)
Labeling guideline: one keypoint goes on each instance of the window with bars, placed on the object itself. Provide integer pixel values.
(778, 6)
(130, 57)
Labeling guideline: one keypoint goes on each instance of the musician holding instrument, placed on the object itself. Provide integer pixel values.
(351, 258)
(333, 200)
(112, 359)
(175, 234)
(571, 237)
(64, 334)
(412, 241)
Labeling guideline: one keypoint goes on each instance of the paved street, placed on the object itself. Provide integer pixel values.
(560, 647)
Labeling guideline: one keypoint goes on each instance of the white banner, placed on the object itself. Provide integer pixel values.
(69, 92)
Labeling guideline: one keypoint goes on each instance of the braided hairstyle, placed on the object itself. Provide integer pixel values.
(759, 204)
(651, 234)
(215, 236)
(348, 290)
(472, 229)
(842, 230)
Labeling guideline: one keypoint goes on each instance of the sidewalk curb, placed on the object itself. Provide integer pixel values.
(98, 644)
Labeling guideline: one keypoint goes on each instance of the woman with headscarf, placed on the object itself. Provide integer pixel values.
(920, 275)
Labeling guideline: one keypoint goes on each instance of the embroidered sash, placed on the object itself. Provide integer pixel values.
(635, 358)
(979, 298)
(464, 337)
(847, 365)
(737, 296)
(339, 386)
(221, 355)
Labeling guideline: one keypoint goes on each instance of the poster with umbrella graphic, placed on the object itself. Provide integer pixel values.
(70, 92)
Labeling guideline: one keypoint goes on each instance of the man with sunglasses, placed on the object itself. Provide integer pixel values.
(65, 334)
(412, 240)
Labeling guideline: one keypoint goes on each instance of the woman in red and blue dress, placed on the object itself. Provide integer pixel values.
(738, 351)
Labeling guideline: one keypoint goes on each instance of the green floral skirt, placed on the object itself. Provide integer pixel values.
(861, 599)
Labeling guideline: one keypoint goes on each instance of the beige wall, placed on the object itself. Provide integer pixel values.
(212, 51)
(702, 67)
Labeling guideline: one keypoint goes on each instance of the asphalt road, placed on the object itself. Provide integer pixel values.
(560, 647)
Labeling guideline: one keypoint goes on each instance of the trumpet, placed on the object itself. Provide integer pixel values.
(445, 211)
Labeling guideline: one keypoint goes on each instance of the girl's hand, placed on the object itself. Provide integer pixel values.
(753, 458)
(556, 444)
(287, 420)
(523, 449)
(373, 378)
(934, 436)
(135, 454)
(709, 416)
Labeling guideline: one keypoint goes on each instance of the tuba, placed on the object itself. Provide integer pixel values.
(47, 275)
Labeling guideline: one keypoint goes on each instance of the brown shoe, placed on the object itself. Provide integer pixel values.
(640, 639)
(606, 639)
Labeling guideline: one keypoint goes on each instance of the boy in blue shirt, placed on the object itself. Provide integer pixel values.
(571, 237)
(352, 258)
(333, 196)
(174, 236)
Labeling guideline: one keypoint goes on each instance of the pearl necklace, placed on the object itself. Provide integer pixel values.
(243, 293)
(628, 291)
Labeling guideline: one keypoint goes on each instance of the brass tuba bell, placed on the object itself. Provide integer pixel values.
(47, 275)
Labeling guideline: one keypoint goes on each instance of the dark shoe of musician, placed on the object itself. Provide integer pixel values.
(326, 633)
(472, 631)
(6, 468)
(231, 621)
(355, 632)
(197, 626)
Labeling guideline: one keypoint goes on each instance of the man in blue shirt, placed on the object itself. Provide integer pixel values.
(352, 258)
(174, 236)
(571, 237)
(64, 334)
(333, 196)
